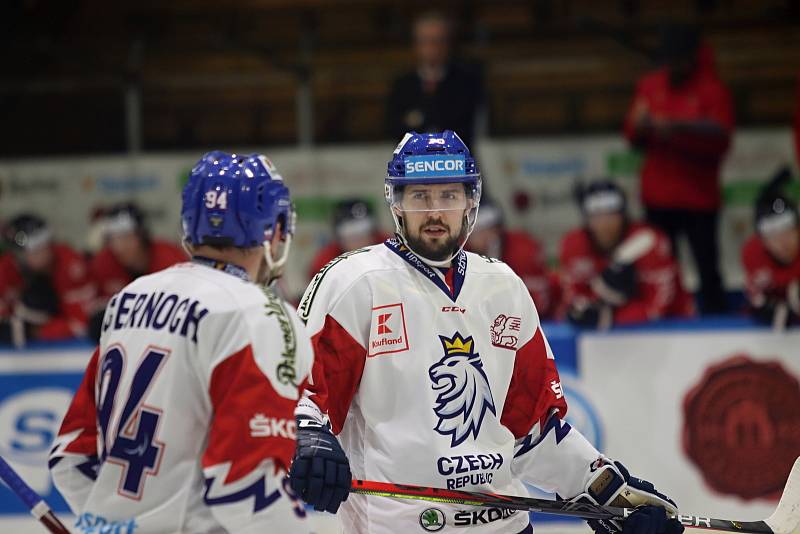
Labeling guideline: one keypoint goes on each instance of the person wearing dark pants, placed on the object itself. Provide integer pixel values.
(700, 229)
(682, 120)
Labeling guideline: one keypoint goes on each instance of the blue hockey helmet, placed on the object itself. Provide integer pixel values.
(236, 201)
(433, 158)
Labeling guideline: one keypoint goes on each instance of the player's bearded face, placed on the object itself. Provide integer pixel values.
(433, 217)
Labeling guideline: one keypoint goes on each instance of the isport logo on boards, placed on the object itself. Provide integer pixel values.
(433, 166)
(29, 421)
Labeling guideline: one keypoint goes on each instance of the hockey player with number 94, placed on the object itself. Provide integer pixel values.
(184, 421)
(432, 369)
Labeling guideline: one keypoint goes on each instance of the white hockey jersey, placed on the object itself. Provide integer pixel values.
(437, 379)
(184, 421)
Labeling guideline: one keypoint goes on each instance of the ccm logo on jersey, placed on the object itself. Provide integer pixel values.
(388, 332)
(272, 427)
(455, 309)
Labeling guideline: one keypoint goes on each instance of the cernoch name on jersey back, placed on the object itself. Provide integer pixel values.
(157, 311)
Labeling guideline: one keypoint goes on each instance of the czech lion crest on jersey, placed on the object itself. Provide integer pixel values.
(505, 331)
(464, 394)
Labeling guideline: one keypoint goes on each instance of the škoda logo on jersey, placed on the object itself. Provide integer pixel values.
(262, 426)
(388, 330)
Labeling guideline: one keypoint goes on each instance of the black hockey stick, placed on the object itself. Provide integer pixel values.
(38, 508)
(785, 519)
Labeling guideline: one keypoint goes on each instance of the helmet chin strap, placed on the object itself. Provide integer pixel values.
(274, 268)
(434, 263)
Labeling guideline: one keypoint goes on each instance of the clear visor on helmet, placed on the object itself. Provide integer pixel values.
(449, 196)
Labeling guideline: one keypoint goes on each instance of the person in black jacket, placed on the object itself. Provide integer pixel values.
(440, 94)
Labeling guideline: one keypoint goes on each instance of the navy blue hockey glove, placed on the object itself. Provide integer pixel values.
(320, 472)
(650, 520)
(765, 311)
(16, 332)
(612, 485)
(616, 285)
(39, 296)
(584, 314)
(776, 312)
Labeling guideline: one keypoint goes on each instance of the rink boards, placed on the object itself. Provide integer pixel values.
(709, 411)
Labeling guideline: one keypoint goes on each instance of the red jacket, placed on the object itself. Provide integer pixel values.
(681, 170)
(525, 256)
(110, 276)
(71, 282)
(660, 292)
(765, 276)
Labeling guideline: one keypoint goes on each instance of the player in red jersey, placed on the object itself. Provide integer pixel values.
(771, 259)
(354, 227)
(129, 252)
(616, 271)
(521, 251)
(45, 290)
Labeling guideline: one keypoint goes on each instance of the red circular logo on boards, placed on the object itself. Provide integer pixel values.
(742, 427)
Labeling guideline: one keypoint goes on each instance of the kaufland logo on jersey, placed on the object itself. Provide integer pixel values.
(383, 328)
(432, 166)
(388, 333)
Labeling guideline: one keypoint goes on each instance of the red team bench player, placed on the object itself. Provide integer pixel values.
(45, 289)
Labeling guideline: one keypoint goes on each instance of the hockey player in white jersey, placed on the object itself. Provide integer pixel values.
(432, 369)
(184, 421)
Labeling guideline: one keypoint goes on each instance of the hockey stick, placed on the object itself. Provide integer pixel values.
(38, 508)
(785, 519)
